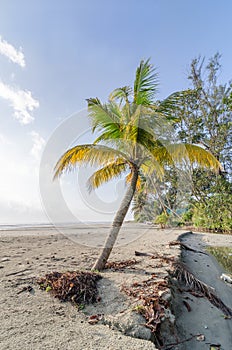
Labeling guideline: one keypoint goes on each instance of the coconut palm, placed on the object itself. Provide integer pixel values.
(128, 125)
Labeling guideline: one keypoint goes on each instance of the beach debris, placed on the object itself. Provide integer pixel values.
(182, 274)
(226, 278)
(93, 319)
(78, 287)
(215, 346)
(186, 304)
(195, 294)
(26, 289)
(119, 265)
(151, 304)
(186, 247)
(201, 337)
(163, 257)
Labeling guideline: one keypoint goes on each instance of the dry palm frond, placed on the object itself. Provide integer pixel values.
(182, 274)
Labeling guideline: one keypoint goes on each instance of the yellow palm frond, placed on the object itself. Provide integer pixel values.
(91, 154)
(177, 153)
(108, 172)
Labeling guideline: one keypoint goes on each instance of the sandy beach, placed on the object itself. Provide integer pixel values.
(35, 320)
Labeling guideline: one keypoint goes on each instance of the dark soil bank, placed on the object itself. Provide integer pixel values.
(200, 316)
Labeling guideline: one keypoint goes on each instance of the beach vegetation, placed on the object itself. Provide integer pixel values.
(162, 220)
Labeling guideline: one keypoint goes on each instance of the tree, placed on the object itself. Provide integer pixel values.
(128, 144)
(205, 118)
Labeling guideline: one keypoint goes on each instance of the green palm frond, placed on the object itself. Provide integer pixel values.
(169, 105)
(145, 85)
(107, 173)
(121, 94)
(104, 116)
(111, 134)
(94, 155)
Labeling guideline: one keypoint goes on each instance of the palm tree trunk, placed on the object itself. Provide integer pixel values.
(117, 223)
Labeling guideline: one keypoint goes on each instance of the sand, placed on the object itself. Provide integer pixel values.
(35, 320)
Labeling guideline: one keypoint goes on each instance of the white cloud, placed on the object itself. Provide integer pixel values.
(12, 53)
(38, 143)
(22, 102)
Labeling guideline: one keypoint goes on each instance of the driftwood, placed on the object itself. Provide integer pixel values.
(184, 246)
(145, 254)
(182, 274)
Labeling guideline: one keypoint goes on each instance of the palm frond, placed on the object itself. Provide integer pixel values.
(194, 154)
(105, 174)
(179, 152)
(122, 93)
(104, 116)
(86, 154)
(145, 85)
(170, 105)
(112, 133)
(182, 274)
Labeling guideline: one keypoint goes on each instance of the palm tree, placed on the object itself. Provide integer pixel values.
(128, 144)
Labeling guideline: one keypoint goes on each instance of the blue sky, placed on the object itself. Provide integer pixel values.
(67, 51)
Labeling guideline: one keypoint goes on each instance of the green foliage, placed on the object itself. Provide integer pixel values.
(215, 215)
(162, 220)
(48, 288)
(224, 256)
(187, 216)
